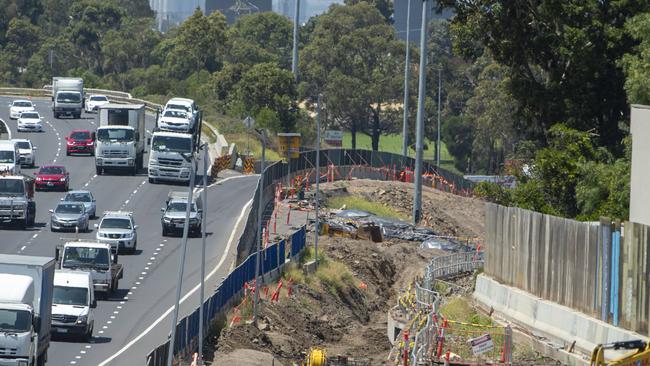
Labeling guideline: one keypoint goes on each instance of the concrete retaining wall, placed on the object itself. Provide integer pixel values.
(555, 322)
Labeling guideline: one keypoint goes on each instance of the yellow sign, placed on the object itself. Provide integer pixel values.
(289, 144)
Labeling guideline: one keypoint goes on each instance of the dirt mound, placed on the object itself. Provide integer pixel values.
(343, 306)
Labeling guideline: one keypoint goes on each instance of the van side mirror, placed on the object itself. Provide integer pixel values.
(114, 258)
(36, 322)
(148, 140)
(57, 253)
(93, 136)
(93, 304)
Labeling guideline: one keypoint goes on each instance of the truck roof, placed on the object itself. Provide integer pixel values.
(172, 134)
(121, 106)
(118, 213)
(182, 100)
(29, 260)
(87, 244)
(69, 278)
(16, 288)
(7, 142)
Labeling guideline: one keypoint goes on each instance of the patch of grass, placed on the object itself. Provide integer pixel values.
(460, 309)
(353, 202)
(334, 276)
(243, 143)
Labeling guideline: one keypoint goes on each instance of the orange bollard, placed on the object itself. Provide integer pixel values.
(406, 348)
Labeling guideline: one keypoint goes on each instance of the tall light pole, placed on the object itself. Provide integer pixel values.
(419, 144)
(204, 225)
(405, 123)
(438, 129)
(260, 209)
(181, 265)
(296, 20)
(318, 109)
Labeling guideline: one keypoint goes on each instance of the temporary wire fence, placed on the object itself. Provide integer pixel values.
(428, 337)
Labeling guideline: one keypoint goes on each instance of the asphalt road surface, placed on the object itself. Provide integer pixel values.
(137, 318)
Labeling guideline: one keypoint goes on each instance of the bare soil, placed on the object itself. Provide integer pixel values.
(350, 318)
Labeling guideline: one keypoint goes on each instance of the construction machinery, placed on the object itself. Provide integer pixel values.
(639, 354)
(318, 357)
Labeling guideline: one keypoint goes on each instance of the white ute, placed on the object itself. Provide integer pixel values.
(27, 152)
(19, 106)
(73, 302)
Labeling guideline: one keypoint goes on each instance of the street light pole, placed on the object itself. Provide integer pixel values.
(170, 354)
(296, 20)
(204, 222)
(260, 210)
(419, 150)
(405, 123)
(438, 129)
(318, 110)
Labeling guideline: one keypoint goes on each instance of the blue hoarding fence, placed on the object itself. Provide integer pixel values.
(274, 257)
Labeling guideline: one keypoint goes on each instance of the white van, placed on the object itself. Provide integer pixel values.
(73, 301)
(9, 157)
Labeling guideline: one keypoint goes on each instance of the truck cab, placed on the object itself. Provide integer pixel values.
(9, 157)
(120, 137)
(25, 309)
(17, 203)
(73, 302)
(92, 257)
(67, 96)
(170, 157)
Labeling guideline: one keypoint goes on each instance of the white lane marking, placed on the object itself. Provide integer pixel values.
(192, 291)
(23, 248)
(89, 346)
(224, 180)
(34, 236)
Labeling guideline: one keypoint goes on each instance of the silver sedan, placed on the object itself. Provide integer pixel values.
(70, 216)
(84, 197)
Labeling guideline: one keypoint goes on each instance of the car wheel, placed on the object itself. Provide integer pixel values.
(135, 247)
(99, 170)
(152, 180)
(89, 334)
(164, 231)
(67, 153)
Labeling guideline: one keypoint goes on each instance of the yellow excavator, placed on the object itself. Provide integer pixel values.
(639, 355)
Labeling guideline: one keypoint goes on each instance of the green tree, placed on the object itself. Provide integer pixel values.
(637, 63)
(198, 43)
(562, 57)
(385, 7)
(261, 37)
(354, 45)
(22, 39)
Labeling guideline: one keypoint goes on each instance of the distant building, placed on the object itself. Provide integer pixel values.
(170, 13)
(233, 9)
(308, 8)
(400, 11)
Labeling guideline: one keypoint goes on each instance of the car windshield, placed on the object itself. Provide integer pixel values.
(175, 114)
(77, 197)
(68, 98)
(177, 106)
(22, 104)
(99, 98)
(15, 320)
(172, 144)
(51, 170)
(11, 187)
(6, 156)
(70, 296)
(29, 115)
(179, 207)
(78, 257)
(23, 145)
(80, 135)
(115, 135)
(69, 209)
(115, 223)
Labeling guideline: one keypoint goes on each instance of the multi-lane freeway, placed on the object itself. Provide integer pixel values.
(137, 318)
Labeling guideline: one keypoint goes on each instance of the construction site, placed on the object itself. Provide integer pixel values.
(359, 307)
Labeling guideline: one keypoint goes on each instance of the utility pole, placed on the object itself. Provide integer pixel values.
(260, 209)
(419, 148)
(405, 124)
(203, 227)
(179, 283)
(316, 229)
(438, 129)
(296, 20)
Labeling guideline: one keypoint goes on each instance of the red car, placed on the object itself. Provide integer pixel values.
(80, 141)
(52, 177)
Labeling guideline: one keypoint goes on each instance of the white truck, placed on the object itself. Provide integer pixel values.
(120, 137)
(73, 302)
(67, 96)
(92, 257)
(25, 309)
(170, 156)
(9, 157)
(17, 204)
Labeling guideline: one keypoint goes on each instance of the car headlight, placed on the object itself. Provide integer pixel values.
(39, 178)
(82, 319)
(62, 180)
(167, 219)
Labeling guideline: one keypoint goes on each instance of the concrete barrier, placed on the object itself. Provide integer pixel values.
(556, 322)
